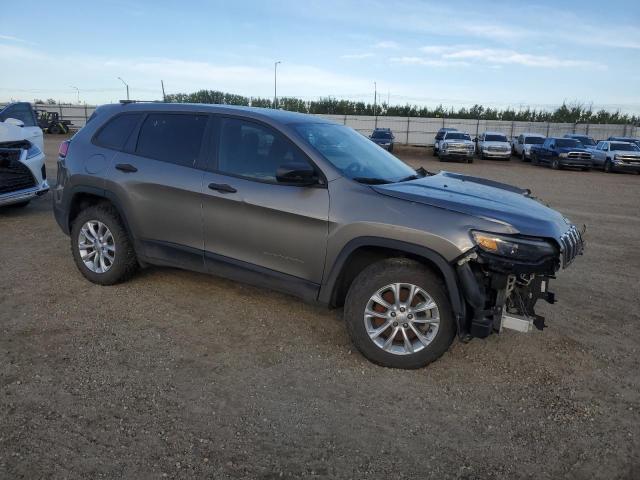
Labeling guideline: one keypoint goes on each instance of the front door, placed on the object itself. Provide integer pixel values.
(250, 220)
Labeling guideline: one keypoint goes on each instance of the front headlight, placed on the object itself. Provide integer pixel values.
(563, 155)
(33, 151)
(523, 249)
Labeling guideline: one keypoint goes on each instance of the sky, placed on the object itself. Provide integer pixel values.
(495, 53)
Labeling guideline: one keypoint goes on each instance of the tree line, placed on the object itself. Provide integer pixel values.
(566, 113)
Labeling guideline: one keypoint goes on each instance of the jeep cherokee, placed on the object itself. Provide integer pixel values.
(302, 205)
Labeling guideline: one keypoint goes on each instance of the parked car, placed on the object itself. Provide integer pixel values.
(561, 152)
(586, 141)
(456, 146)
(21, 113)
(493, 145)
(616, 156)
(439, 137)
(521, 146)
(625, 139)
(383, 137)
(23, 175)
(414, 257)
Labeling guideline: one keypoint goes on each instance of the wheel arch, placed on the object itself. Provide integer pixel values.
(84, 196)
(361, 252)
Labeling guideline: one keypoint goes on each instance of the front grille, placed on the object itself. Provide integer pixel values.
(571, 245)
(495, 148)
(628, 158)
(14, 175)
(579, 155)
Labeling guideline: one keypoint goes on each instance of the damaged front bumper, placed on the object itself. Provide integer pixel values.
(502, 292)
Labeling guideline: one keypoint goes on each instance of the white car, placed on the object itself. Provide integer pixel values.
(522, 145)
(493, 145)
(23, 174)
(614, 156)
(455, 145)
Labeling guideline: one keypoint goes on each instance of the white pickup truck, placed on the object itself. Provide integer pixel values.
(614, 156)
(522, 145)
(23, 174)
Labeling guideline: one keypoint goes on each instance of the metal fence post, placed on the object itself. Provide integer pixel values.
(625, 130)
(408, 121)
(513, 124)
(477, 126)
(85, 113)
(345, 119)
(588, 128)
(548, 127)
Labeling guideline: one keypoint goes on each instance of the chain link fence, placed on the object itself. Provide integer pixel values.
(417, 130)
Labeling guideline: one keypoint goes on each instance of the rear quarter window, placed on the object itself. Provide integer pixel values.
(115, 133)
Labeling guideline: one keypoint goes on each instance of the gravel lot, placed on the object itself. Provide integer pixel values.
(181, 375)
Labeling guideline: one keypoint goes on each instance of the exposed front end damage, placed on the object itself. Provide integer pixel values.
(502, 291)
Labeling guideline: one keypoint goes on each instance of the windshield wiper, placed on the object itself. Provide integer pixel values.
(371, 180)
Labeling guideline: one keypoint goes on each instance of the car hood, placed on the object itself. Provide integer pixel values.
(10, 133)
(482, 198)
(571, 149)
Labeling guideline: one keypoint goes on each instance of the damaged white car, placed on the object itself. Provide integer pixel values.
(23, 173)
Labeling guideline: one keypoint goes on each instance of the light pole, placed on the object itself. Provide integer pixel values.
(78, 91)
(375, 99)
(125, 84)
(275, 84)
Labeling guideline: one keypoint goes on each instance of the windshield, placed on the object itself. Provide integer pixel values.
(586, 141)
(457, 136)
(624, 147)
(495, 138)
(354, 155)
(381, 134)
(567, 142)
(534, 140)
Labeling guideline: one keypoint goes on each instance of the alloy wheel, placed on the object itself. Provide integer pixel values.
(401, 318)
(96, 246)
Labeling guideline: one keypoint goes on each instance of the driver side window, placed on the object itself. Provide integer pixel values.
(254, 151)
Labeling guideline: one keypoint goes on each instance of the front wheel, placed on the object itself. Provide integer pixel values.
(555, 164)
(608, 167)
(398, 314)
(101, 248)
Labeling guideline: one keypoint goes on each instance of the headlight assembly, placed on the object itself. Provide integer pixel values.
(33, 151)
(563, 155)
(521, 249)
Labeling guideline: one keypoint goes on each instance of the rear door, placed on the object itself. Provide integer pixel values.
(598, 154)
(251, 220)
(158, 180)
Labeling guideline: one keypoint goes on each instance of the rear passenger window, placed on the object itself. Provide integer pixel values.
(117, 131)
(173, 138)
(254, 151)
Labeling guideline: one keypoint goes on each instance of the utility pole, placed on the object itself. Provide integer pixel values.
(164, 97)
(275, 84)
(77, 91)
(126, 85)
(375, 101)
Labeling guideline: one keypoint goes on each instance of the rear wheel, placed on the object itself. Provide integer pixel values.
(101, 247)
(398, 314)
(54, 129)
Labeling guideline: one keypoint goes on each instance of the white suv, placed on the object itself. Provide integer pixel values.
(522, 144)
(23, 174)
(493, 145)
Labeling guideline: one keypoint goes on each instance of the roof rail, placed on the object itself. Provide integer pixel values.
(125, 102)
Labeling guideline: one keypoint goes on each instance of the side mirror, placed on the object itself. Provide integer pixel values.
(14, 121)
(300, 174)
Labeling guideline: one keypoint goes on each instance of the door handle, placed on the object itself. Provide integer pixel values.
(126, 167)
(222, 187)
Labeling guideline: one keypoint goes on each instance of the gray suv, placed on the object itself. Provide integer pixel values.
(305, 206)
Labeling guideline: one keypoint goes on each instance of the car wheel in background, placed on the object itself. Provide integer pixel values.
(534, 159)
(523, 157)
(608, 167)
(398, 314)
(555, 164)
(54, 130)
(101, 247)
(469, 159)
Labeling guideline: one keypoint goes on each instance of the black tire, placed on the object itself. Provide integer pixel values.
(608, 168)
(435, 152)
(523, 157)
(555, 164)
(469, 159)
(375, 277)
(586, 169)
(534, 159)
(125, 263)
(54, 130)
(390, 148)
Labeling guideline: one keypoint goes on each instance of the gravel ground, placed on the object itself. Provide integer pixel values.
(181, 375)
